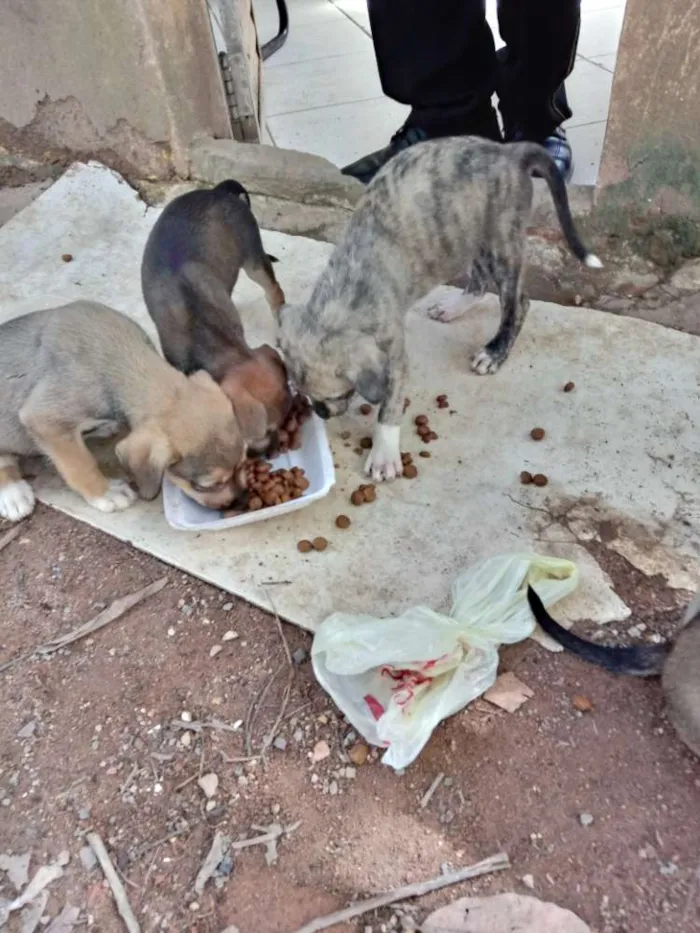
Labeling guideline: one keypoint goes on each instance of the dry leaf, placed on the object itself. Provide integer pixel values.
(508, 692)
(503, 913)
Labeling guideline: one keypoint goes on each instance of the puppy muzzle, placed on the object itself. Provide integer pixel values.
(322, 410)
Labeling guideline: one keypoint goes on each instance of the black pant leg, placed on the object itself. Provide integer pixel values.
(541, 38)
(437, 56)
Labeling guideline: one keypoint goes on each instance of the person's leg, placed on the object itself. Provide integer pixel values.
(439, 59)
(541, 38)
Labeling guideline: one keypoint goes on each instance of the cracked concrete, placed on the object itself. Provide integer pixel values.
(621, 451)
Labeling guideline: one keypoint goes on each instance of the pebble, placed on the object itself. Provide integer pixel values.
(333, 788)
(350, 773)
(185, 716)
(358, 753)
(171, 632)
(227, 607)
(214, 650)
(668, 868)
(157, 788)
(88, 858)
(229, 636)
(528, 881)
(280, 743)
(585, 819)
(321, 751)
(194, 906)
(209, 784)
(84, 813)
(298, 735)
(582, 703)
(186, 739)
(27, 731)
(299, 656)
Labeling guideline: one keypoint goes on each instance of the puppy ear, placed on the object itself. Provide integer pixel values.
(369, 370)
(250, 414)
(145, 454)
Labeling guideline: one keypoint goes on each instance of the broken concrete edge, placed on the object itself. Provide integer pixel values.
(279, 173)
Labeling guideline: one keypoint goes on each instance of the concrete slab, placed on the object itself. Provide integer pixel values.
(621, 451)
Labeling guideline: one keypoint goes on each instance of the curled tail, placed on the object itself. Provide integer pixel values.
(230, 186)
(639, 660)
(535, 159)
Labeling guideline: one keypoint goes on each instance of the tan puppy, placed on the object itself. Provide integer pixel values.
(191, 263)
(84, 368)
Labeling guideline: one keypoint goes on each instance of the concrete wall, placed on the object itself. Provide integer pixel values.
(127, 81)
(651, 157)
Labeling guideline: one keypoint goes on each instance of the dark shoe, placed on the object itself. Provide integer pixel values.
(559, 148)
(367, 167)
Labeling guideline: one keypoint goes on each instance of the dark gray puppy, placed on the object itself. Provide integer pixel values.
(434, 211)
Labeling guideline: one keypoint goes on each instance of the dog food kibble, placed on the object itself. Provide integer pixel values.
(304, 546)
(365, 409)
(345, 435)
(406, 403)
(421, 419)
(525, 478)
(423, 430)
(254, 503)
(366, 443)
(442, 401)
(342, 521)
(539, 479)
(268, 487)
(290, 432)
(319, 544)
(432, 436)
(369, 493)
(425, 453)
(66, 257)
(581, 703)
(569, 387)
(406, 457)
(358, 497)
(409, 471)
(537, 434)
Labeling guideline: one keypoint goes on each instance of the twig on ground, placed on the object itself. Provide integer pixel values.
(114, 882)
(9, 536)
(132, 774)
(113, 612)
(494, 863)
(264, 838)
(427, 796)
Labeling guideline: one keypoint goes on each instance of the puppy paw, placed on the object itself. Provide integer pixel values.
(384, 460)
(16, 500)
(485, 363)
(119, 496)
(450, 305)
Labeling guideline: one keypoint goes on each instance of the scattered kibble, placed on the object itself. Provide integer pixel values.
(569, 387)
(537, 434)
(539, 479)
(366, 443)
(66, 257)
(357, 497)
(319, 544)
(525, 478)
(305, 546)
(342, 521)
(410, 471)
(425, 453)
(365, 409)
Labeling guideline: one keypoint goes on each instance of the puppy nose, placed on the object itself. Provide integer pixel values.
(322, 410)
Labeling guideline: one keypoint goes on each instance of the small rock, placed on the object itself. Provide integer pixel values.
(227, 607)
(157, 788)
(230, 635)
(194, 906)
(582, 703)
(27, 731)
(214, 650)
(210, 805)
(350, 773)
(171, 632)
(84, 813)
(299, 656)
(668, 868)
(358, 753)
(585, 819)
(298, 735)
(321, 751)
(209, 784)
(185, 716)
(88, 858)
(687, 278)
(280, 743)
(333, 788)
(186, 739)
(528, 881)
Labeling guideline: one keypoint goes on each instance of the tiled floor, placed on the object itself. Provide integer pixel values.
(323, 93)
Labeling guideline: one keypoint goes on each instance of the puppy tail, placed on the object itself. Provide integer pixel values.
(230, 186)
(535, 160)
(638, 660)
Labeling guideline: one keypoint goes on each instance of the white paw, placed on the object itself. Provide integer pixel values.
(384, 460)
(484, 364)
(118, 497)
(449, 304)
(16, 500)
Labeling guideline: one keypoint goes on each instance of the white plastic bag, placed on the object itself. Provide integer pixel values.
(395, 679)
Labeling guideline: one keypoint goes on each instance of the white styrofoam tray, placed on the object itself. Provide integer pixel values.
(314, 457)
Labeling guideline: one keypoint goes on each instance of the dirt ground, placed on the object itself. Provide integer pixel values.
(100, 737)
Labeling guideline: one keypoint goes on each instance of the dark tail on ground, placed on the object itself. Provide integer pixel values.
(639, 660)
(536, 160)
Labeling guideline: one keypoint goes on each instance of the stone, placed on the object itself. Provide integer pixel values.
(503, 913)
(209, 784)
(320, 752)
(270, 170)
(585, 819)
(300, 655)
(280, 743)
(687, 278)
(88, 858)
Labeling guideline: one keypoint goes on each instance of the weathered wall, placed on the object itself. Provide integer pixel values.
(131, 82)
(651, 157)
